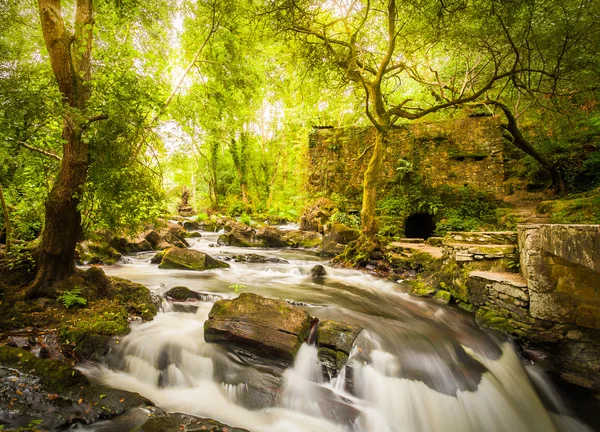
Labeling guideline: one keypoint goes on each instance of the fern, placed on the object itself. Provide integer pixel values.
(72, 298)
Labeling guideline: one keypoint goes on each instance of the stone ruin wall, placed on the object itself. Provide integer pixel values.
(448, 153)
(555, 300)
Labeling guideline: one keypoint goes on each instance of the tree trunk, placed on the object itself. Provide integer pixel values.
(70, 58)
(522, 143)
(6, 220)
(369, 224)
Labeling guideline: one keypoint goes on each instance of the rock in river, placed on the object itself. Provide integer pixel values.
(189, 259)
(335, 340)
(258, 329)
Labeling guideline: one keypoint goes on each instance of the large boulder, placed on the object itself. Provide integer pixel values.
(343, 234)
(258, 329)
(270, 237)
(189, 259)
(334, 342)
(316, 216)
(55, 393)
(303, 239)
(97, 252)
(330, 248)
(181, 293)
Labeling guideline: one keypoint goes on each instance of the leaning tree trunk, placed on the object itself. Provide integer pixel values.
(70, 58)
(519, 140)
(370, 181)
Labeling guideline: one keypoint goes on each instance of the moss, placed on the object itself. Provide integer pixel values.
(420, 288)
(490, 319)
(443, 297)
(582, 209)
(136, 298)
(188, 259)
(468, 307)
(54, 376)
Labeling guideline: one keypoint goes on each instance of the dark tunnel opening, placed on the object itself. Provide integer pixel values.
(419, 225)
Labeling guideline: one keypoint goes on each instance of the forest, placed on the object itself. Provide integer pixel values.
(300, 215)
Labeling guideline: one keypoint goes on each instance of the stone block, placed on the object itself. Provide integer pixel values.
(588, 316)
(556, 307)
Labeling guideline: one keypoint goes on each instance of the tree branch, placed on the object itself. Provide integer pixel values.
(39, 150)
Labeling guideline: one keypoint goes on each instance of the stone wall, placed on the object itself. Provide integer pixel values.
(448, 153)
(561, 264)
(555, 304)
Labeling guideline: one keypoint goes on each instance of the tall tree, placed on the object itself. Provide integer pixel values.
(70, 57)
(412, 59)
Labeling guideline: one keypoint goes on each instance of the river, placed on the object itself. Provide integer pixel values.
(417, 366)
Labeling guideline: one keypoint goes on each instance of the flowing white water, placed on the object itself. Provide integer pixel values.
(418, 366)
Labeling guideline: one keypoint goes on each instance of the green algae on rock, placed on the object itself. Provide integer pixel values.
(189, 259)
(258, 328)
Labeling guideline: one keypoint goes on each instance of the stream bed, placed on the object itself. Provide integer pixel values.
(417, 366)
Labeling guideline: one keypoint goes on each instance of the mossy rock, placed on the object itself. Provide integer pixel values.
(419, 288)
(303, 239)
(270, 237)
(55, 376)
(181, 293)
(334, 341)
(97, 252)
(58, 394)
(343, 234)
(442, 297)
(189, 259)
(253, 326)
(157, 259)
(177, 422)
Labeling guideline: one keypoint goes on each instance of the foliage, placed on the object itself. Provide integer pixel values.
(353, 221)
(583, 208)
(473, 212)
(237, 288)
(72, 298)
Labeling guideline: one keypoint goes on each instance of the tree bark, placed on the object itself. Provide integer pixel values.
(70, 58)
(523, 143)
(6, 220)
(369, 224)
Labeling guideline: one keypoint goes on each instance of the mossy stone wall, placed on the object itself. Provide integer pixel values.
(450, 153)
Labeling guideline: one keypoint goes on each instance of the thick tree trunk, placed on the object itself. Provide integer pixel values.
(6, 220)
(62, 228)
(369, 224)
(70, 58)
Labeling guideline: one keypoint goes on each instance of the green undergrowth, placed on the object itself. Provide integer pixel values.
(86, 327)
(578, 209)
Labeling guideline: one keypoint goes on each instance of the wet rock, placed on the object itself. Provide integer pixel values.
(156, 259)
(127, 245)
(257, 259)
(191, 225)
(303, 239)
(318, 271)
(258, 329)
(334, 341)
(270, 237)
(330, 248)
(51, 391)
(189, 259)
(177, 422)
(181, 293)
(194, 234)
(239, 238)
(97, 252)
